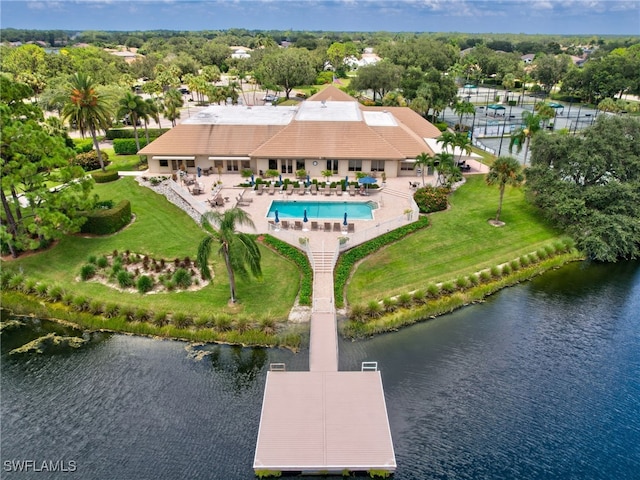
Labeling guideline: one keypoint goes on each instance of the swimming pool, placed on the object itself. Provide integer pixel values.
(322, 210)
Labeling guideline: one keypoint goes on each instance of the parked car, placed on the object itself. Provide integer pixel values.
(270, 98)
(127, 121)
(184, 91)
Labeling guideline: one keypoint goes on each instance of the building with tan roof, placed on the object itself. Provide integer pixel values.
(329, 131)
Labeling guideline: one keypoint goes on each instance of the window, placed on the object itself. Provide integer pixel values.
(232, 165)
(406, 166)
(333, 166)
(300, 165)
(164, 163)
(273, 164)
(191, 164)
(355, 165)
(377, 165)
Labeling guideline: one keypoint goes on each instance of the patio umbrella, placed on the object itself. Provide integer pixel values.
(199, 171)
(366, 181)
(280, 177)
(308, 180)
(305, 219)
(252, 180)
(345, 219)
(277, 219)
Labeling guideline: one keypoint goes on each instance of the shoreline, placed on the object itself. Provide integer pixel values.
(21, 304)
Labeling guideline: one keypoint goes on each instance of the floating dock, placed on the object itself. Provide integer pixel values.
(324, 420)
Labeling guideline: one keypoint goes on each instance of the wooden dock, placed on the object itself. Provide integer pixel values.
(324, 420)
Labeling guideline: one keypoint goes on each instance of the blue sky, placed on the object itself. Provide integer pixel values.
(584, 17)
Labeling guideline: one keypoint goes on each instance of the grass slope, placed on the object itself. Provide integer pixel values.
(162, 230)
(459, 241)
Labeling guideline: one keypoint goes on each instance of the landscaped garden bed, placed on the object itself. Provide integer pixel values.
(132, 272)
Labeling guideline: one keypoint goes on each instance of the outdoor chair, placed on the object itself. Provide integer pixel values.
(336, 227)
(290, 190)
(297, 225)
(351, 228)
(339, 191)
(285, 224)
(314, 226)
(352, 190)
(327, 226)
(314, 189)
(327, 191)
(260, 189)
(272, 189)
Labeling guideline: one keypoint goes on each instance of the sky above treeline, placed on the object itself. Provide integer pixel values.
(567, 17)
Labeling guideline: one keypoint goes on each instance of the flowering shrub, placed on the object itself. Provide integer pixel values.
(431, 199)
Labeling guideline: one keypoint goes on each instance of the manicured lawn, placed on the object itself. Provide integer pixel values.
(458, 242)
(164, 231)
(122, 162)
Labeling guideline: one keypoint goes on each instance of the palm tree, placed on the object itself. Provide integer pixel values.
(239, 250)
(447, 139)
(463, 143)
(134, 107)
(425, 161)
(463, 108)
(531, 125)
(172, 103)
(152, 112)
(504, 171)
(87, 109)
(443, 162)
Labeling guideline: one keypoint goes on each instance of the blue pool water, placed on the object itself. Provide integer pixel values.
(322, 210)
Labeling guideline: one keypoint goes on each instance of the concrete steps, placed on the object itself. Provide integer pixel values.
(322, 261)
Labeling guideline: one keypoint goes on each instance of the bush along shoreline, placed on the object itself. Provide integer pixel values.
(389, 314)
(26, 297)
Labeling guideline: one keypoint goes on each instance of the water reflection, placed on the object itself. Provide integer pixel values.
(239, 366)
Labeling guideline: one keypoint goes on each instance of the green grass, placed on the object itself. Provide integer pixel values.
(122, 162)
(458, 242)
(162, 230)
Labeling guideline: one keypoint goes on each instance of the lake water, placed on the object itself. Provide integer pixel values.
(542, 381)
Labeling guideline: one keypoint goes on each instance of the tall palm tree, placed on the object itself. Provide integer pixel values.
(504, 171)
(134, 107)
(531, 125)
(172, 103)
(463, 142)
(443, 162)
(239, 250)
(425, 161)
(463, 108)
(87, 109)
(447, 139)
(152, 112)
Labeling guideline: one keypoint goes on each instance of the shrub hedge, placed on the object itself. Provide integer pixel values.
(89, 160)
(105, 177)
(114, 133)
(104, 222)
(431, 199)
(127, 146)
(83, 145)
